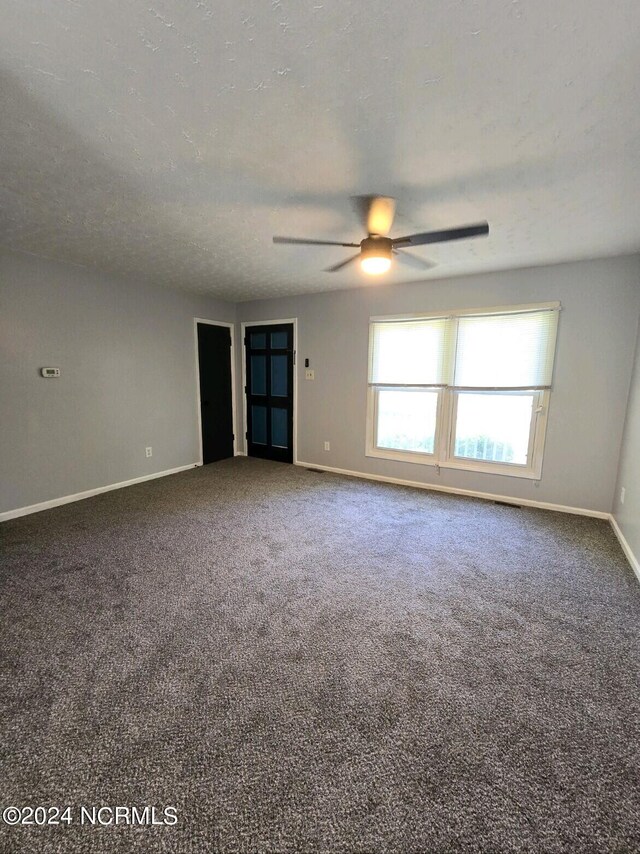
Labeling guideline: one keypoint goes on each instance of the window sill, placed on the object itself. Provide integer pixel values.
(502, 469)
(418, 457)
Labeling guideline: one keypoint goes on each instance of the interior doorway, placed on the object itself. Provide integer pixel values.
(269, 389)
(216, 409)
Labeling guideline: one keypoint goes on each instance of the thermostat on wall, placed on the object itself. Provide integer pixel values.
(50, 372)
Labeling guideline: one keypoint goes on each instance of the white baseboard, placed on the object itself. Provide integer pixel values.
(509, 499)
(626, 548)
(89, 493)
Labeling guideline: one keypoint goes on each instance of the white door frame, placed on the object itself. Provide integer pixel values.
(243, 326)
(231, 327)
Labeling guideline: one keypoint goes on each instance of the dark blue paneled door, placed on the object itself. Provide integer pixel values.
(269, 390)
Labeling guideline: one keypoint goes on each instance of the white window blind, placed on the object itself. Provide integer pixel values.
(506, 351)
(410, 353)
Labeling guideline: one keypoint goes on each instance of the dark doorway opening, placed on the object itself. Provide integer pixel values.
(216, 397)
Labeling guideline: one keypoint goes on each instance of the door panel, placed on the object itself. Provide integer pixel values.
(269, 361)
(279, 375)
(259, 374)
(279, 341)
(279, 428)
(258, 432)
(216, 409)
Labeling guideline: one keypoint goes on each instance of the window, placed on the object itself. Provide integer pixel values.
(466, 390)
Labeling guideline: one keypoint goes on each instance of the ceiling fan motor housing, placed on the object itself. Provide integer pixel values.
(375, 246)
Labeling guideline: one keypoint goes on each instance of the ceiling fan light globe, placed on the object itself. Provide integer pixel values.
(375, 265)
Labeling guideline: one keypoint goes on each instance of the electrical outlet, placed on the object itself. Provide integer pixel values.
(148, 452)
(622, 494)
(327, 446)
(309, 374)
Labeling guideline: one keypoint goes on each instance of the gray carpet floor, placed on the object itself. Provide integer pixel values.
(301, 662)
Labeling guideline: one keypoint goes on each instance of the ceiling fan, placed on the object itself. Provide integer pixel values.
(377, 250)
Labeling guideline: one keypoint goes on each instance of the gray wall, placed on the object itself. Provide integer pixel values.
(127, 356)
(126, 351)
(628, 514)
(601, 305)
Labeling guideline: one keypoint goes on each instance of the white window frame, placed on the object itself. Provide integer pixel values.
(444, 443)
(421, 457)
(537, 431)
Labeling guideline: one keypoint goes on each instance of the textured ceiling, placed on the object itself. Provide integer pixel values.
(168, 140)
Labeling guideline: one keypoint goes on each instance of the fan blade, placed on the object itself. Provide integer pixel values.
(481, 228)
(342, 264)
(376, 213)
(312, 242)
(413, 260)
